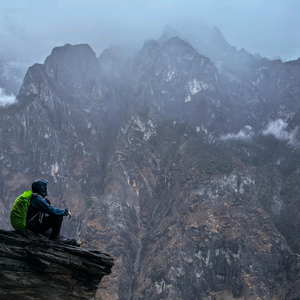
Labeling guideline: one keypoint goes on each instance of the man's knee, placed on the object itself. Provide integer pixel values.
(58, 219)
(53, 220)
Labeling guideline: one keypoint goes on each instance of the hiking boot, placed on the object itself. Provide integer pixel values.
(66, 241)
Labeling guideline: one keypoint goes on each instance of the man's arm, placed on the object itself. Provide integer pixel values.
(41, 204)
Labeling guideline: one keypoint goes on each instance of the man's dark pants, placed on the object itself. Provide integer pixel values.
(48, 222)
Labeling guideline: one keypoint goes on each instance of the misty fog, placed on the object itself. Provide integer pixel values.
(29, 30)
(6, 99)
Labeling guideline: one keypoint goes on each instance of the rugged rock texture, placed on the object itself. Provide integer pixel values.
(184, 168)
(32, 267)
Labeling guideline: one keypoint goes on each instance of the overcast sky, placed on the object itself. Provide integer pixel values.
(30, 29)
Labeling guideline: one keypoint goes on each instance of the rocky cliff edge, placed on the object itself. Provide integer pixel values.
(32, 267)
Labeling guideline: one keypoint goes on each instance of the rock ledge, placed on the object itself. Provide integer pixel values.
(32, 267)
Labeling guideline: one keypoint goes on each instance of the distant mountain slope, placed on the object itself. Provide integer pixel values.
(183, 169)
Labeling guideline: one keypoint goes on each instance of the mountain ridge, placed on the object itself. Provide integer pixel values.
(184, 171)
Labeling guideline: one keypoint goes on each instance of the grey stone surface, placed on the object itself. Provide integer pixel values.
(33, 267)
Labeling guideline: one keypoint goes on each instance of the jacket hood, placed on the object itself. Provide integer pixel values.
(39, 186)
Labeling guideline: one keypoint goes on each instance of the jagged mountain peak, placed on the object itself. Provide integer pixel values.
(170, 32)
(177, 40)
(32, 81)
(167, 54)
(216, 39)
(107, 55)
(257, 56)
(67, 55)
(171, 151)
(174, 78)
(71, 70)
(110, 65)
(174, 44)
(68, 48)
(173, 53)
(73, 67)
(150, 43)
(217, 31)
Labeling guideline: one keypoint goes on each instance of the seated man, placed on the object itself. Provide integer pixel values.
(42, 216)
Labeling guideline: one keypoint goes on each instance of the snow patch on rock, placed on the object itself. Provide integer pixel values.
(54, 171)
(171, 75)
(187, 98)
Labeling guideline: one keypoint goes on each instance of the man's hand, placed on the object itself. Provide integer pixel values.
(70, 215)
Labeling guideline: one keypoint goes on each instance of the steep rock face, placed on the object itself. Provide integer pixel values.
(159, 183)
(183, 173)
(215, 39)
(171, 79)
(74, 68)
(193, 225)
(56, 131)
(32, 267)
(266, 81)
(211, 43)
(272, 86)
(111, 66)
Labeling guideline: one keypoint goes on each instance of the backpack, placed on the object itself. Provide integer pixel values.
(19, 211)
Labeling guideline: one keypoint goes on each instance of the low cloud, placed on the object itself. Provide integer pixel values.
(6, 99)
(278, 130)
(245, 134)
